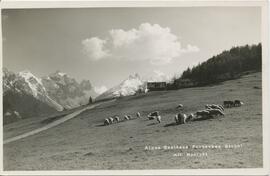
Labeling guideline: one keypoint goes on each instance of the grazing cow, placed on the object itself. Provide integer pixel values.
(221, 107)
(129, 117)
(176, 118)
(111, 120)
(238, 103)
(126, 117)
(138, 115)
(215, 112)
(180, 106)
(190, 117)
(116, 118)
(214, 106)
(207, 106)
(228, 104)
(106, 122)
(203, 113)
(159, 119)
(153, 115)
(180, 118)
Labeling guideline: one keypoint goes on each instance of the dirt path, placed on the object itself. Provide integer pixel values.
(50, 125)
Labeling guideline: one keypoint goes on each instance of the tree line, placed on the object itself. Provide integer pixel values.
(227, 65)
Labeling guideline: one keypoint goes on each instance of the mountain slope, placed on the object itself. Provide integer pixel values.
(26, 83)
(127, 87)
(66, 90)
(17, 105)
(28, 95)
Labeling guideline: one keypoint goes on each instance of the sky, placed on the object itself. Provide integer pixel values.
(106, 45)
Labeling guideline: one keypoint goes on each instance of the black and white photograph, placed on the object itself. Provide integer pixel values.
(133, 88)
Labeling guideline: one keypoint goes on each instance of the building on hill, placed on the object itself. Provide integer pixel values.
(156, 86)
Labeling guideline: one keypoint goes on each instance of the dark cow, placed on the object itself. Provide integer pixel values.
(106, 122)
(238, 103)
(153, 115)
(116, 119)
(228, 104)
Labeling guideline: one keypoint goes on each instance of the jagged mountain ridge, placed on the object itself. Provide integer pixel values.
(66, 90)
(129, 86)
(57, 91)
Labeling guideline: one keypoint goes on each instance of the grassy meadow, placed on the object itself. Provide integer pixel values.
(83, 143)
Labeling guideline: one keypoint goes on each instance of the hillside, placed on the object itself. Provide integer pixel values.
(227, 65)
(16, 106)
(84, 143)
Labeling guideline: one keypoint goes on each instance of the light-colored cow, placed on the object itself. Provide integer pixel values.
(180, 118)
(180, 106)
(215, 112)
(159, 119)
(126, 117)
(202, 113)
(214, 106)
(111, 120)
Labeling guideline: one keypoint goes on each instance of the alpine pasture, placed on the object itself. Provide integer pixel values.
(84, 143)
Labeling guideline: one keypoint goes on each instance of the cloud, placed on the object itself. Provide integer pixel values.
(159, 76)
(159, 73)
(121, 38)
(100, 90)
(152, 43)
(94, 48)
(190, 48)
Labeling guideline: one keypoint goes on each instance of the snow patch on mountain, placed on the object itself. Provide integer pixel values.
(57, 90)
(100, 90)
(61, 73)
(33, 82)
(129, 86)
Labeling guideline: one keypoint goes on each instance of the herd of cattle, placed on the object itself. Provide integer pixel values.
(210, 111)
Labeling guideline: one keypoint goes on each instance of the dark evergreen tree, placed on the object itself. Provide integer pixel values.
(90, 100)
(227, 65)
